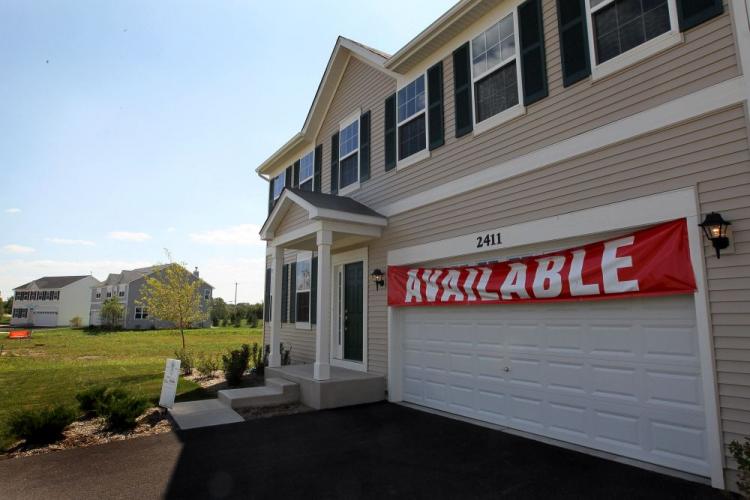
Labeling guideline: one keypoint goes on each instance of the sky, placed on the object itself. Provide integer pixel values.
(131, 127)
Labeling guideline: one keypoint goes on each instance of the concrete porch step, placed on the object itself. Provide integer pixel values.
(203, 413)
(277, 391)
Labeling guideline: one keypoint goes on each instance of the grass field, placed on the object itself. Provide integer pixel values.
(55, 364)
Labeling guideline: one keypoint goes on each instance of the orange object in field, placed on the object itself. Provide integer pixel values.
(20, 334)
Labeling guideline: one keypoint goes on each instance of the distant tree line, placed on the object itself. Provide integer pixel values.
(223, 314)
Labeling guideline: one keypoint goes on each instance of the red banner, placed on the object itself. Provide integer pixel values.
(653, 261)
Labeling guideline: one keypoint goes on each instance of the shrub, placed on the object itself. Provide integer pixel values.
(258, 359)
(76, 322)
(207, 365)
(224, 322)
(286, 355)
(41, 426)
(186, 361)
(235, 364)
(90, 399)
(252, 321)
(121, 410)
(741, 454)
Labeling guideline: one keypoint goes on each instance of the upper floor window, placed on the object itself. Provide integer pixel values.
(121, 293)
(621, 25)
(349, 153)
(307, 171)
(411, 116)
(278, 184)
(495, 69)
(207, 294)
(98, 293)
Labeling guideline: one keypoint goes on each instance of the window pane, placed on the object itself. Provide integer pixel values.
(303, 307)
(278, 186)
(306, 165)
(349, 171)
(411, 99)
(303, 275)
(496, 92)
(493, 47)
(411, 137)
(626, 24)
(349, 139)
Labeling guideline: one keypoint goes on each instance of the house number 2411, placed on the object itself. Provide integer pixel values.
(489, 240)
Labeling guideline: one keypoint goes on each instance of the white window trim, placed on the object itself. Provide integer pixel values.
(301, 181)
(512, 112)
(303, 325)
(276, 196)
(637, 54)
(424, 153)
(355, 116)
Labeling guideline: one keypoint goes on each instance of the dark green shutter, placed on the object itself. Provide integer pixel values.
(267, 298)
(435, 106)
(533, 58)
(574, 41)
(285, 293)
(318, 172)
(364, 147)
(270, 196)
(390, 132)
(462, 90)
(295, 180)
(293, 291)
(335, 163)
(288, 177)
(314, 291)
(691, 13)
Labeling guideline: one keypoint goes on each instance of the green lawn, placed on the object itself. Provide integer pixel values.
(55, 364)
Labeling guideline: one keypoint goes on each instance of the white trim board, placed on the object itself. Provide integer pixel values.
(708, 100)
(616, 216)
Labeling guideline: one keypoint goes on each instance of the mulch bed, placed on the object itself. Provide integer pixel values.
(91, 432)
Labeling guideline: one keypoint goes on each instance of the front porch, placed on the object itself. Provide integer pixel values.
(342, 388)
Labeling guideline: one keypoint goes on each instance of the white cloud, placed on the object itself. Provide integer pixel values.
(65, 241)
(12, 248)
(128, 236)
(241, 235)
(12, 210)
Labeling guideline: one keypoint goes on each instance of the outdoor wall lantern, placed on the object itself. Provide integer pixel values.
(715, 228)
(378, 278)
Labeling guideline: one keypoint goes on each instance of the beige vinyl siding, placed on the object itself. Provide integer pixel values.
(295, 217)
(710, 153)
(706, 57)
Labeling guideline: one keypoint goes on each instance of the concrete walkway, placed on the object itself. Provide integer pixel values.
(206, 413)
(371, 451)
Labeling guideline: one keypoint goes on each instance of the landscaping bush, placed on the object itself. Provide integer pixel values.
(741, 454)
(41, 426)
(286, 355)
(76, 322)
(121, 410)
(252, 321)
(90, 399)
(207, 365)
(235, 364)
(258, 359)
(186, 361)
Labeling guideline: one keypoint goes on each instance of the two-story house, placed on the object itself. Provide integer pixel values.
(126, 287)
(430, 225)
(52, 301)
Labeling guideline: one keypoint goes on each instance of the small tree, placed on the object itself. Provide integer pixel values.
(111, 312)
(173, 295)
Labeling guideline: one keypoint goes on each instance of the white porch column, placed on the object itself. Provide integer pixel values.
(274, 358)
(323, 327)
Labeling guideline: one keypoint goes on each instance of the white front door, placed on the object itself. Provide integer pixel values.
(621, 376)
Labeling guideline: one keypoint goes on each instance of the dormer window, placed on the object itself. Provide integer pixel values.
(306, 171)
(349, 153)
(412, 123)
(278, 184)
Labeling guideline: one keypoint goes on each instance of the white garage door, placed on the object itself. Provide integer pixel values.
(45, 318)
(621, 376)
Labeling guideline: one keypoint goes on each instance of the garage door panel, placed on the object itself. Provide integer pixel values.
(620, 376)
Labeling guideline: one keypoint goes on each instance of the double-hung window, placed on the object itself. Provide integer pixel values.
(349, 154)
(307, 171)
(411, 118)
(278, 184)
(98, 293)
(619, 26)
(141, 313)
(495, 71)
(303, 281)
(207, 294)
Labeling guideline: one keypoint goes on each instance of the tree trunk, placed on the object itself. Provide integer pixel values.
(183, 338)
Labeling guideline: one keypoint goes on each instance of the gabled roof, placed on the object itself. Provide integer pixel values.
(326, 89)
(320, 206)
(126, 276)
(52, 282)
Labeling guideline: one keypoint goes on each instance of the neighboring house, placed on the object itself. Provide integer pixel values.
(510, 128)
(126, 287)
(52, 301)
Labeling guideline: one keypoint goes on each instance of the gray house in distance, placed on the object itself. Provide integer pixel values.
(126, 287)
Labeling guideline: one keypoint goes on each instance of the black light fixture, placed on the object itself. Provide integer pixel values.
(715, 228)
(378, 278)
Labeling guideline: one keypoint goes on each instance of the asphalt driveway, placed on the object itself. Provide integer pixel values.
(370, 451)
